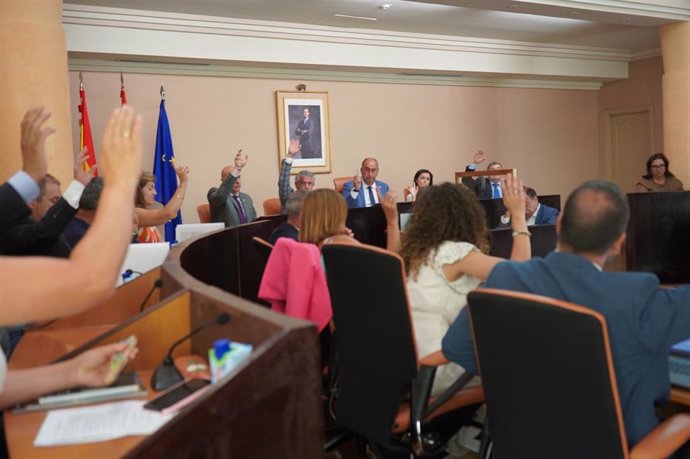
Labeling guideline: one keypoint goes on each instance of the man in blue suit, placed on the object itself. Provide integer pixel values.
(643, 319)
(365, 191)
(536, 213)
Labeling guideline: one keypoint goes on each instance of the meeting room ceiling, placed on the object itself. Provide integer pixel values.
(536, 21)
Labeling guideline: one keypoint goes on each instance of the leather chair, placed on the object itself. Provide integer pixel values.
(549, 382)
(204, 211)
(377, 366)
(339, 183)
(272, 206)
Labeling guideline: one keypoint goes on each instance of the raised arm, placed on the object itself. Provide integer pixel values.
(155, 217)
(284, 189)
(218, 196)
(478, 264)
(45, 288)
(390, 210)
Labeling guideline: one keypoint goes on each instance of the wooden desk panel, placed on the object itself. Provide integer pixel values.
(23, 428)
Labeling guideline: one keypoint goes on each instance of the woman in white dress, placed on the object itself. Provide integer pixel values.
(445, 247)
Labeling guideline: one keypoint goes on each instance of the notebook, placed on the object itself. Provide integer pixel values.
(679, 364)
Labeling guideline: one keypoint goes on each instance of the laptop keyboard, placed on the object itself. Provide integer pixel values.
(680, 371)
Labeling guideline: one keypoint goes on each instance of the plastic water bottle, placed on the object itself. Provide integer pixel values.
(225, 356)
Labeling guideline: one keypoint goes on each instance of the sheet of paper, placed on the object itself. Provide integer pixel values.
(98, 423)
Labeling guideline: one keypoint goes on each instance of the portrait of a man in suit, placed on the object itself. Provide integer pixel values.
(305, 126)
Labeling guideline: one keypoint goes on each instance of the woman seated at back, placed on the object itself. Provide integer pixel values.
(148, 217)
(658, 177)
(324, 213)
(445, 248)
(422, 179)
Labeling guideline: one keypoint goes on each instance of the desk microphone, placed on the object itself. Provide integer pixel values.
(157, 284)
(167, 374)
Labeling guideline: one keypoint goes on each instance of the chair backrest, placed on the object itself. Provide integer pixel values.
(339, 183)
(204, 211)
(377, 358)
(263, 246)
(548, 377)
(272, 206)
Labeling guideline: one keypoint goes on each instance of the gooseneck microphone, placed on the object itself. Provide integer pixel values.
(167, 375)
(157, 284)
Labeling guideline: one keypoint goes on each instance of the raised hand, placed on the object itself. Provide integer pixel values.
(240, 159)
(514, 198)
(412, 189)
(294, 148)
(479, 157)
(33, 142)
(80, 174)
(182, 173)
(389, 206)
(121, 149)
(357, 181)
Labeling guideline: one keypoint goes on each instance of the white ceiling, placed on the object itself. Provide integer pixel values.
(535, 21)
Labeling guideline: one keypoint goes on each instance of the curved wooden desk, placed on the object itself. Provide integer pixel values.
(271, 407)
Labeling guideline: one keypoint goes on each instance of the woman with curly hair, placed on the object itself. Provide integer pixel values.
(445, 247)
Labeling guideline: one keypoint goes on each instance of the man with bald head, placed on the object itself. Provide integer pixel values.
(643, 319)
(365, 190)
(228, 204)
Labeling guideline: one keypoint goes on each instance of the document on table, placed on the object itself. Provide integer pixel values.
(98, 423)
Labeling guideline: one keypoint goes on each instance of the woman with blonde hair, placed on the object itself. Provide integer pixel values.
(324, 213)
(149, 217)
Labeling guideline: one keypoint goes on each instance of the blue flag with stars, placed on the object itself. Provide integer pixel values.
(164, 170)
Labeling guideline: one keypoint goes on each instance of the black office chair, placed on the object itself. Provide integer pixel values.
(377, 366)
(549, 382)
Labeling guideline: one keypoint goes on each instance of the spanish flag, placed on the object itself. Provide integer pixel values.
(85, 139)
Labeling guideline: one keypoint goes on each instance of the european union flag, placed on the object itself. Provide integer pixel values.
(164, 170)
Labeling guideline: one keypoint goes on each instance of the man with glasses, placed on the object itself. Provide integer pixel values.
(365, 190)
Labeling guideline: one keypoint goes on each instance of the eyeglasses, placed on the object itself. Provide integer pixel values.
(658, 166)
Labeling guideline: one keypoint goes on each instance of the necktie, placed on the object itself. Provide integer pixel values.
(372, 200)
(496, 192)
(240, 209)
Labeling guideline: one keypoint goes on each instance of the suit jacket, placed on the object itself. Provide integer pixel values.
(224, 207)
(40, 238)
(284, 230)
(546, 215)
(14, 209)
(295, 284)
(643, 322)
(360, 202)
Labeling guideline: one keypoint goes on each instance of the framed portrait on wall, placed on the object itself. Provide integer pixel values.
(304, 116)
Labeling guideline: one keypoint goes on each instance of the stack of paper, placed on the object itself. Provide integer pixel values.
(98, 423)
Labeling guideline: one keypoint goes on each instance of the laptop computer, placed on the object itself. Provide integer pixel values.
(679, 364)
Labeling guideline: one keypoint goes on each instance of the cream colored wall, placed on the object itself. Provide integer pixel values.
(641, 89)
(549, 135)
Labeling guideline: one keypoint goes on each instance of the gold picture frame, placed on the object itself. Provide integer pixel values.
(305, 115)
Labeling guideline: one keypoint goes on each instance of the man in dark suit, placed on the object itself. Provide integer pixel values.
(536, 213)
(485, 187)
(643, 319)
(290, 228)
(305, 135)
(228, 204)
(51, 212)
(365, 191)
